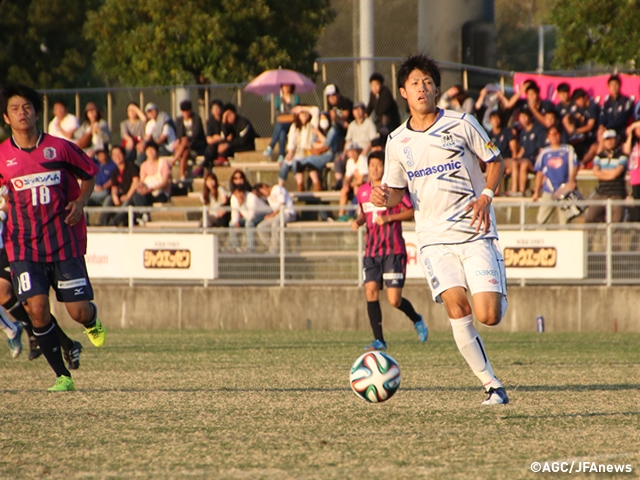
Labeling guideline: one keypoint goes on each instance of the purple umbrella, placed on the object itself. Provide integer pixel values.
(271, 80)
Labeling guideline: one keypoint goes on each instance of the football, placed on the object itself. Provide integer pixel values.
(375, 377)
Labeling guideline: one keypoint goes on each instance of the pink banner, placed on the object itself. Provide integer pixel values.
(596, 87)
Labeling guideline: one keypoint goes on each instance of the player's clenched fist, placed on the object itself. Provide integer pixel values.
(380, 195)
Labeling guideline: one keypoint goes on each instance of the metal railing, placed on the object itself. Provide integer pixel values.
(310, 251)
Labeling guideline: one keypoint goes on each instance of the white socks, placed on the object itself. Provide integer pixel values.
(472, 349)
(7, 325)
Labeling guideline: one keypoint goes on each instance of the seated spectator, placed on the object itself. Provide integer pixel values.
(191, 140)
(94, 132)
(609, 167)
(532, 137)
(102, 189)
(491, 100)
(340, 108)
(215, 197)
(124, 182)
(284, 105)
(239, 135)
(159, 130)
(247, 210)
(556, 166)
(456, 98)
(617, 109)
(580, 123)
(214, 137)
(299, 143)
(382, 107)
(631, 148)
(356, 174)
(276, 196)
(63, 124)
(533, 103)
(239, 180)
(323, 150)
(551, 119)
(132, 129)
(506, 142)
(155, 179)
(563, 92)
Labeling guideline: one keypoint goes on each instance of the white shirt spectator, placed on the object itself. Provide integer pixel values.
(249, 210)
(69, 123)
(167, 131)
(281, 196)
(360, 166)
(361, 134)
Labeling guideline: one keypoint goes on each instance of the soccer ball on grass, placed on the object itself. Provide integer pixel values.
(375, 377)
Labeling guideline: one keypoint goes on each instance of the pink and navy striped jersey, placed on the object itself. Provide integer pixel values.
(382, 240)
(41, 183)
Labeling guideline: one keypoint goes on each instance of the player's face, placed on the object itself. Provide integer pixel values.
(21, 115)
(420, 92)
(376, 169)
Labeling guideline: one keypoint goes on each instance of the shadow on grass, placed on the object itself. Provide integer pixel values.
(570, 415)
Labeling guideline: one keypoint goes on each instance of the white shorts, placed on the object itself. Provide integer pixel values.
(477, 266)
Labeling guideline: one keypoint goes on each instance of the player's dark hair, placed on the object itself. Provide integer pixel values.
(18, 90)
(378, 77)
(418, 62)
(578, 93)
(614, 78)
(526, 112)
(379, 155)
(564, 87)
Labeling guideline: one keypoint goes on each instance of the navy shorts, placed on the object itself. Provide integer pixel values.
(390, 268)
(68, 278)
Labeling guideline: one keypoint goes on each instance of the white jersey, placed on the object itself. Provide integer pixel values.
(440, 167)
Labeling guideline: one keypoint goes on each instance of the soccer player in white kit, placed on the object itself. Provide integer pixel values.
(435, 154)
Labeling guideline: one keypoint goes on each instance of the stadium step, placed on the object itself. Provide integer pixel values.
(262, 143)
(249, 157)
(190, 200)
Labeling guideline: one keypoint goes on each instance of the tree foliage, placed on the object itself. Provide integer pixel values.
(602, 31)
(162, 42)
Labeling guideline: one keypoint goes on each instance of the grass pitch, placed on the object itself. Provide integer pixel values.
(221, 404)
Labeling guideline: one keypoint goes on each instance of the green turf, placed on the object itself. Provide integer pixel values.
(219, 404)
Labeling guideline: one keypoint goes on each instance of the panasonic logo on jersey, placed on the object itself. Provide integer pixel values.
(424, 172)
(36, 180)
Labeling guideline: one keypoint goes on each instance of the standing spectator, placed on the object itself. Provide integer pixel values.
(323, 150)
(247, 210)
(340, 108)
(609, 167)
(456, 98)
(284, 104)
(504, 139)
(631, 148)
(532, 137)
(191, 140)
(132, 129)
(491, 99)
(580, 123)
(617, 109)
(159, 130)
(94, 132)
(102, 190)
(276, 196)
(556, 166)
(63, 124)
(214, 137)
(124, 182)
(215, 197)
(532, 103)
(299, 144)
(382, 105)
(563, 92)
(238, 133)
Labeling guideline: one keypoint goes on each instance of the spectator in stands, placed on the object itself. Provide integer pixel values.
(617, 109)
(456, 98)
(191, 140)
(247, 210)
(491, 100)
(102, 189)
(556, 167)
(155, 180)
(124, 182)
(94, 133)
(356, 174)
(284, 105)
(268, 229)
(239, 135)
(214, 137)
(239, 180)
(506, 142)
(532, 103)
(323, 150)
(215, 197)
(609, 167)
(631, 148)
(563, 92)
(159, 130)
(299, 144)
(580, 123)
(532, 138)
(551, 119)
(340, 108)
(63, 124)
(382, 107)
(132, 129)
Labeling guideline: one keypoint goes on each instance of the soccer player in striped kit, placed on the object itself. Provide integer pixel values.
(435, 154)
(46, 234)
(385, 257)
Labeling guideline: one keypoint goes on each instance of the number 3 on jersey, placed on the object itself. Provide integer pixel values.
(24, 282)
(40, 195)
